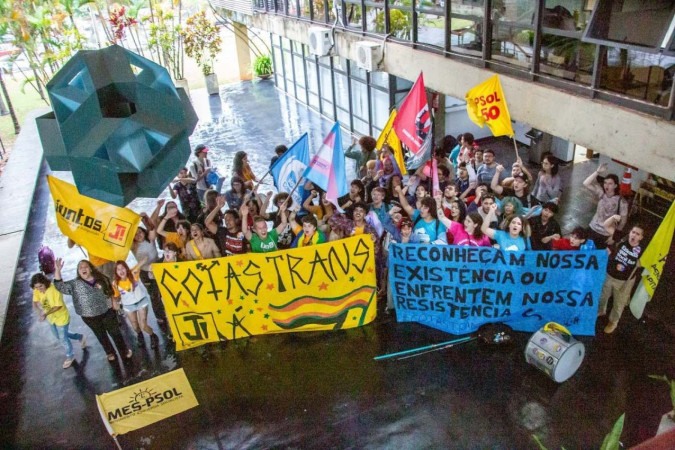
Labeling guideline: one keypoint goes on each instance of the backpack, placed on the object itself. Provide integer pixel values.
(46, 260)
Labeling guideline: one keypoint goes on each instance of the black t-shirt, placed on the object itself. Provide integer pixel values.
(539, 231)
(623, 260)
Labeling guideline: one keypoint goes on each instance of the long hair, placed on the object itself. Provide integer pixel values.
(238, 163)
(525, 231)
(478, 220)
(128, 271)
(101, 279)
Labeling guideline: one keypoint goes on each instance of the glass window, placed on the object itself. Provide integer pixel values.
(624, 23)
(400, 21)
(359, 100)
(299, 71)
(356, 72)
(431, 23)
(375, 19)
(641, 75)
(379, 108)
(512, 31)
(341, 91)
(380, 79)
(353, 14)
(361, 126)
(466, 26)
(312, 82)
(343, 117)
(313, 101)
(326, 84)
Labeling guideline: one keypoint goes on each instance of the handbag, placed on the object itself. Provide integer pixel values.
(212, 177)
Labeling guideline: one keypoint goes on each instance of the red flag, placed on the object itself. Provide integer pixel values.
(413, 121)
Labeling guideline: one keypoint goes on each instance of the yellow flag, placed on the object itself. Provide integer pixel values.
(105, 230)
(388, 136)
(653, 260)
(486, 104)
(145, 403)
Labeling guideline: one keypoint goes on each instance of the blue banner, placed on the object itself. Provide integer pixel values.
(457, 289)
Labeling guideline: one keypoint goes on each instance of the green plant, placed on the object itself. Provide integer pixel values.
(202, 41)
(671, 385)
(262, 65)
(165, 39)
(611, 441)
(399, 23)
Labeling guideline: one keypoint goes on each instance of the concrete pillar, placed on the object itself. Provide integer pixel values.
(241, 44)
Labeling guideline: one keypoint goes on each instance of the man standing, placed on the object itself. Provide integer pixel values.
(229, 238)
(262, 240)
(487, 170)
(186, 191)
(621, 269)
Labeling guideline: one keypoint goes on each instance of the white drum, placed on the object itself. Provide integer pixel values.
(555, 352)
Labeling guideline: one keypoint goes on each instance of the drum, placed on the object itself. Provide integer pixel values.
(555, 352)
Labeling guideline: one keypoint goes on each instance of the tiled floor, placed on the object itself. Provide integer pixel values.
(320, 390)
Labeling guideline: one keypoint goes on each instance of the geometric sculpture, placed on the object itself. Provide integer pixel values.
(118, 123)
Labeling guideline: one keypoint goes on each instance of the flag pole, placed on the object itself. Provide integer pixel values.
(290, 194)
(424, 348)
(515, 146)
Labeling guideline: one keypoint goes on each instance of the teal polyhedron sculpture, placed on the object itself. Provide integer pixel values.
(118, 123)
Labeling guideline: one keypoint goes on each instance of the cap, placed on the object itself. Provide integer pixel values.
(201, 148)
(521, 176)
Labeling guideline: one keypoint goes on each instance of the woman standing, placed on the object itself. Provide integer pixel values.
(517, 238)
(466, 231)
(548, 186)
(241, 169)
(49, 303)
(92, 298)
(144, 249)
(132, 294)
(200, 247)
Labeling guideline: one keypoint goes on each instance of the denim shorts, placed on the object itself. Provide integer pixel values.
(143, 303)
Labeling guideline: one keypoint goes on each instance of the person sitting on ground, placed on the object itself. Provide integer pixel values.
(362, 156)
(323, 211)
(610, 203)
(229, 238)
(425, 221)
(48, 302)
(545, 228)
(464, 232)
(622, 270)
(279, 150)
(200, 247)
(308, 234)
(131, 294)
(262, 240)
(577, 240)
(515, 239)
(548, 186)
(186, 190)
(242, 169)
(92, 298)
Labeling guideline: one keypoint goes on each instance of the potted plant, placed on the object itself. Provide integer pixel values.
(262, 67)
(668, 419)
(202, 41)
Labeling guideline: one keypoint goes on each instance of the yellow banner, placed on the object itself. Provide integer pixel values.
(389, 137)
(145, 403)
(654, 257)
(105, 230)
(322, 287)
(486, 104)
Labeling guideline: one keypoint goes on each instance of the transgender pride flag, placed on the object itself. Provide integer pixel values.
(327, 167)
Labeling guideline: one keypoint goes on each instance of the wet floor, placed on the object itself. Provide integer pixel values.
(310, 390)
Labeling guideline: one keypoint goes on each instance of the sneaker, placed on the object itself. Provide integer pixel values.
(611, 326)
(68, 362)
(83, 342)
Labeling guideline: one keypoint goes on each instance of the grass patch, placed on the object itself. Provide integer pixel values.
(23, 103)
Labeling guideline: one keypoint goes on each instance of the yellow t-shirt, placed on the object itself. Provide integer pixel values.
(50, 299)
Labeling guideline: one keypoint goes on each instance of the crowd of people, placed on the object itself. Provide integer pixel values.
(472, 200)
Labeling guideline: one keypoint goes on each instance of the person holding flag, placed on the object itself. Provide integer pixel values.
(327, 168)
(289, 168)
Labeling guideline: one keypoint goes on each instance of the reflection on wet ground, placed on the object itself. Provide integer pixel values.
(296, 390)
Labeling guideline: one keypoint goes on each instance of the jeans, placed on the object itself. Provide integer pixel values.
(104, 326)
(62, 334)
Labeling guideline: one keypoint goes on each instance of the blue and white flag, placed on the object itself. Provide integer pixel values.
(290, 166)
